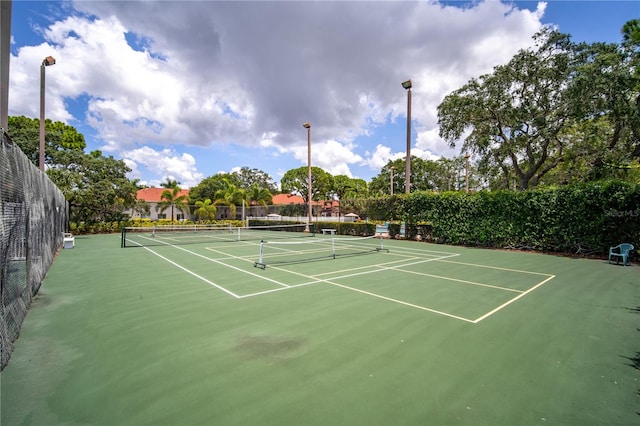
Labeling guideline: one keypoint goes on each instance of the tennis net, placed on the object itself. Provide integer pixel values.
(195, 234)
(320, 248)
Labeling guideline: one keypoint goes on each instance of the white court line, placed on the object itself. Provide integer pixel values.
(233, 267)
(401, 302)
(477, 320)
(377, 265)
(278, 289)
(193, 273)
(455, 279)
(496, 267)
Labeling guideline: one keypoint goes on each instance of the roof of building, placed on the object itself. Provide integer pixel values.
(154, 195)
(296, 199)
(287, 199)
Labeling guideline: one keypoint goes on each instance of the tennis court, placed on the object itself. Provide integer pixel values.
(271, 329)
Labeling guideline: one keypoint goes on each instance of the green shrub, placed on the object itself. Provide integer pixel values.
(560, 219)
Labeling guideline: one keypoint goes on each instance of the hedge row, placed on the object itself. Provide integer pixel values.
(575, 218)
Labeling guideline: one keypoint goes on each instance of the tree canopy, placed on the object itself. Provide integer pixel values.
(96, 186)
(296, 181)
(59, 137)
(556, 102)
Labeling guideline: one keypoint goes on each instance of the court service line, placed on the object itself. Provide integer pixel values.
(233, 267)
(194, 274)
(258, 293)
(377, 266)
(380, 266)
(455, 279)
(398, 268)
(479, 265)
(400, 302)
(507, 303)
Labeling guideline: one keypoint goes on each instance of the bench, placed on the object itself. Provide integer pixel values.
(328, 231)
(382, 231)
(621, 251)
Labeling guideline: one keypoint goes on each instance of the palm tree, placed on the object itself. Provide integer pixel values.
(259, 196)
(142, 208)
(205, 210)
(170, 183)
(230, 196)
(171, 198)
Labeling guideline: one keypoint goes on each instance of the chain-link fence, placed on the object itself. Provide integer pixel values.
(34, 215)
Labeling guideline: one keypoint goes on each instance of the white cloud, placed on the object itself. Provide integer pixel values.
(381, 156)
(429, 141)
(214, 74)
(167, 163)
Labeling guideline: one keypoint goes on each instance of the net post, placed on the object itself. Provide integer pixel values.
(123, 235)
(153, 231)
(333, 247)
(381, 248)
(259, 263)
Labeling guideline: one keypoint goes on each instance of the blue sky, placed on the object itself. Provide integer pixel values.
(185, 90)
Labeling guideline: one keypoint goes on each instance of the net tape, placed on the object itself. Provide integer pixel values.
(193, 234)
(288, 252)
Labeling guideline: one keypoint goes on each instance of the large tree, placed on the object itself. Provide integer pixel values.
(514, 118)
(296, 181)
(59, 137)
(608, 101)
(95, 186)
(346, 187)
(247, 178)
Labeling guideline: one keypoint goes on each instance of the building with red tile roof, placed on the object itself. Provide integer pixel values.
(287, 199)
(153, 197)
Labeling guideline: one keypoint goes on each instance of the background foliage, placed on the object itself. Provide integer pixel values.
(578, 218)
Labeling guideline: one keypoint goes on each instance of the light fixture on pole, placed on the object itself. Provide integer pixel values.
(407, 183)
(308, 127)
(49, 60)
(391, 179)
(466, 174)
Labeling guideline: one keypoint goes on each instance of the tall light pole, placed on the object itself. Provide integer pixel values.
(466, 174)
(308, 127)
(5, 49)
(49, 60)
(391, 180)
(407, 183)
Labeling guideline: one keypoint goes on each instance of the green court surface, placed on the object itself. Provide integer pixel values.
(415, 334)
